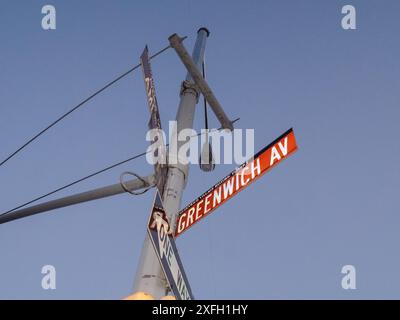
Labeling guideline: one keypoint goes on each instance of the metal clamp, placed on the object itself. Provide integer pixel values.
(189, 86)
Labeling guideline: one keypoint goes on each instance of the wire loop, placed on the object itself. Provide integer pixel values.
(121, 178)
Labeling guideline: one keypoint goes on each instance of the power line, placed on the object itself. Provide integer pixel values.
(76, 181)
(91, 176)
(109, 84)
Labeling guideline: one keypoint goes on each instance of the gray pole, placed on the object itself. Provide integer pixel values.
(91, 195)
(149, 276)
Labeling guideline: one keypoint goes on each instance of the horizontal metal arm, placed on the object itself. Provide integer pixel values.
(176, 43)
(95, 194)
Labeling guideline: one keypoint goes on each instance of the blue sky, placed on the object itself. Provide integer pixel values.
(276, 65)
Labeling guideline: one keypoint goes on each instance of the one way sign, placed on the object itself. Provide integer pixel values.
(164, 244)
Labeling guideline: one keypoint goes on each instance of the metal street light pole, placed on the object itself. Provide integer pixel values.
(149, 276)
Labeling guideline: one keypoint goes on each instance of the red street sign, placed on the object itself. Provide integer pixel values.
(236, 181)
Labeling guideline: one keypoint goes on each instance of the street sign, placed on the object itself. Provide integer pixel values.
(236, 181)
(155, 120)
(163, 241)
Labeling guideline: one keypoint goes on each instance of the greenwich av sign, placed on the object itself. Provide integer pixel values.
(236, 181)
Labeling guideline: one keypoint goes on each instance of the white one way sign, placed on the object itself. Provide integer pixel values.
(164, 244)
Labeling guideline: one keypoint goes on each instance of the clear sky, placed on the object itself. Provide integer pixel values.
(275, 64)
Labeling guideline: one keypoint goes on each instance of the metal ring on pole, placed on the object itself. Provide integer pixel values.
(130, 191)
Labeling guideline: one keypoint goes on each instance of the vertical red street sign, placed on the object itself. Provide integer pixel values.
(155, 120)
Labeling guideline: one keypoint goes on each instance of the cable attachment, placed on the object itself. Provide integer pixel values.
(126, 189)
(191, 87)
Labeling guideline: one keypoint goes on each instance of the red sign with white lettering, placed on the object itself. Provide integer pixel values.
(236, 181)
